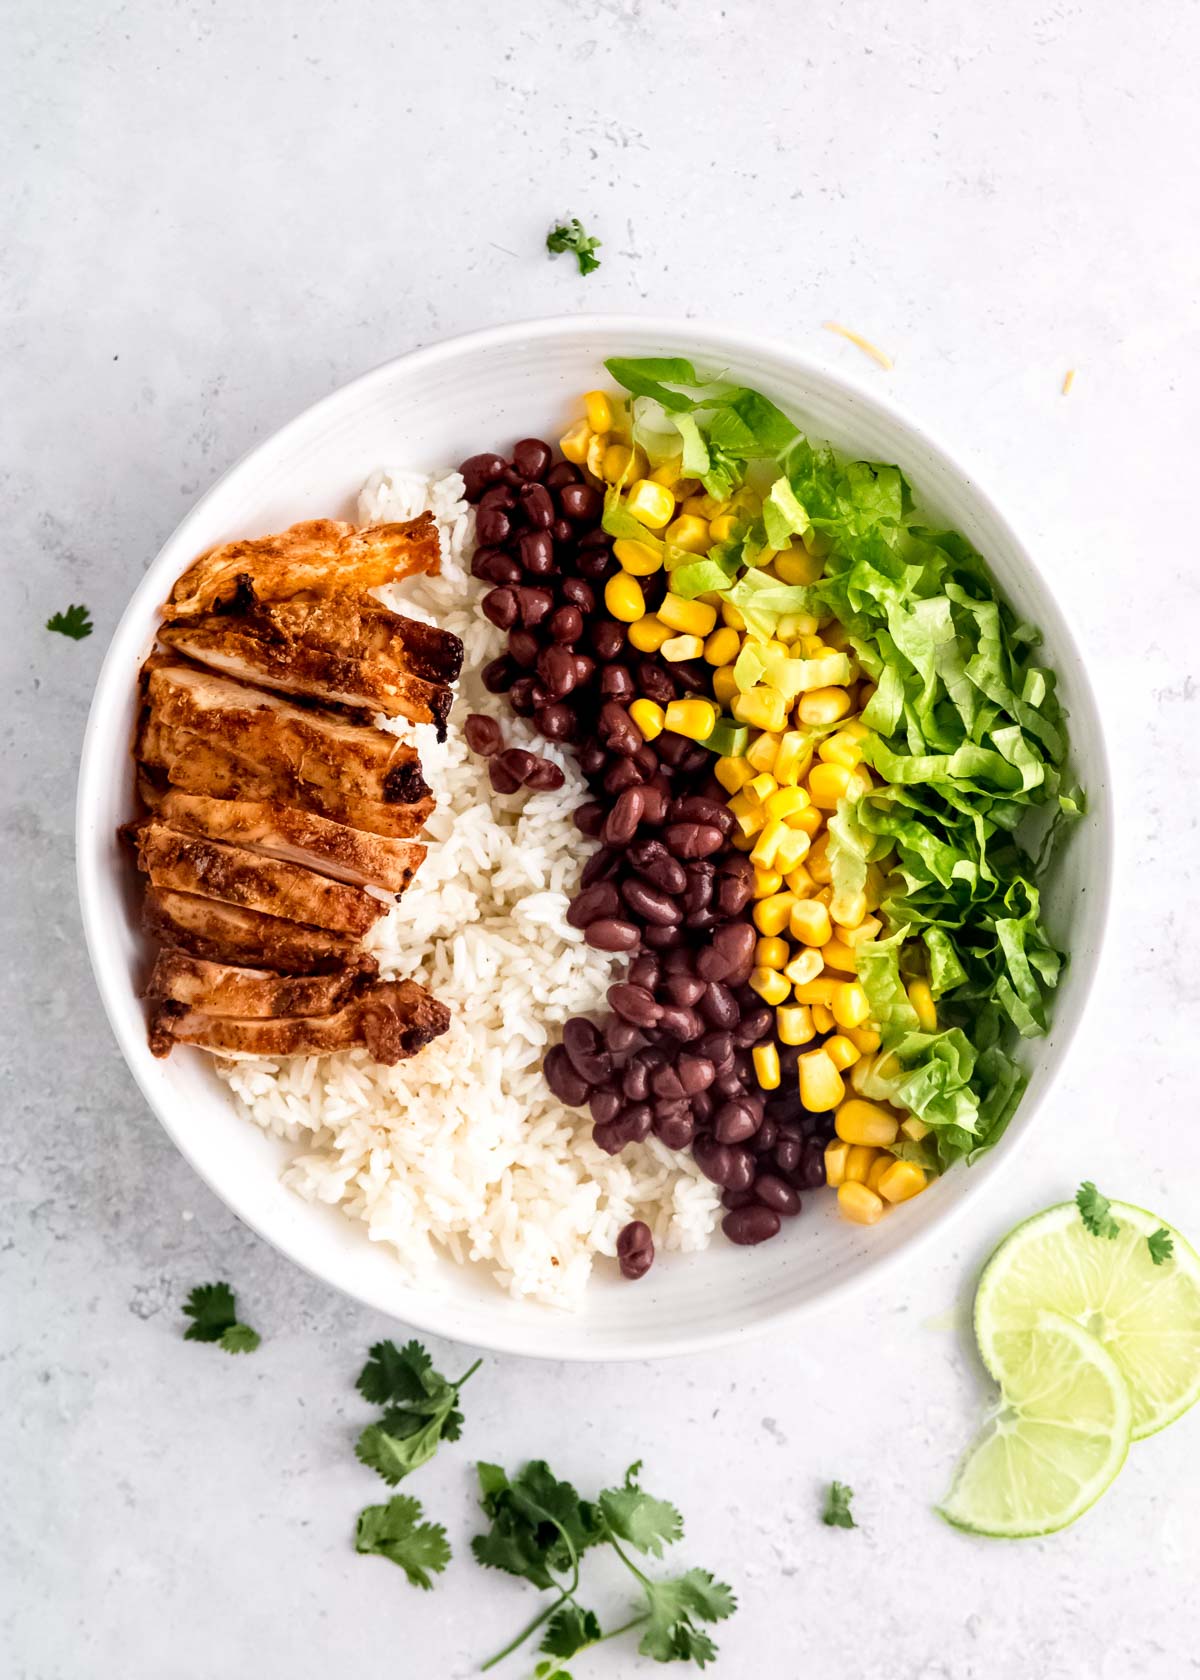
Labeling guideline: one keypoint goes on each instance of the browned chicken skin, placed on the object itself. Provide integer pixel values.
(360, 627)
(394, 1019)
(221, 932)
(253, 993)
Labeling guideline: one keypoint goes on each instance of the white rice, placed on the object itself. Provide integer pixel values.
(463, 1151)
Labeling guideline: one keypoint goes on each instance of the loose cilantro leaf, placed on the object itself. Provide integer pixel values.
(76, 623)
(837, 1507)
(671, 1635)
(1161, 1245)
(632, 1515)
(395, 1531)
(213, 1310)
(569, 1631)
(421, 1410)
(540, 1526)
(1093, 1210)
(569, 236)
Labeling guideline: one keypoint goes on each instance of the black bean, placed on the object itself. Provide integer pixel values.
(536, 506)
(622, 1036)
(576, 593)
(622, 821)
(493, 526)
(566, 625)
(656, 803)
(719, 1006)
(580, 502)
(618, 731)
(556, 722)
(698, 891)
(655, 684)
(752, 1027)
(556, 668)
(621, 775)
(605, 1104)
(673, 1125)
(534, 602)
(617, 684)
(764, 1137)
(774, 1193)
(734, 1122)
(635, 1079)
(545, 776)
(812, 1166)
(696, 1074)
(562, 472)
(607, 637)
(737, 1198)
(635, 1004)
(537, 553)
(692, 840)
(499, 606)
(787, 1154)
(747, 1226)
(498, 675)
(654, 862)
(694, 807)
(685, 990)
(635, 1250)
(501, 777)
(594, 563)
(492, 565)
(531, 457)
(729, 955)
(735, 885)
(611, 934)
(683, 1024)
(718, 1047)
(478, 472)
(636, 1121)
(564, 1079)
(585, 669)
(524, 647)
(648, 904)
(660, 938)
(588, 819)
(610, 1136)
(483, 733)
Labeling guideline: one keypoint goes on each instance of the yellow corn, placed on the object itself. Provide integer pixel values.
(766, 882)
(730, 615)
(692, 618)
(841, 748)
(793, 848)
(722, 646)
(598, 410)
(763, 707)
(804, 966)
(818, 861)
(841, 1052)
(649, 718)
(810, 647)
(620, 462)
(646, 634)
(921, 998)
(862, 934)
(784, 802)
(850, 1006)
(823, 705)
(679, 648)
(574, 443)
(689, 533)
(769, 984)
(766, 1066)
(721, 528)
(810, 922)
(867, 1039)
(623, 598)
(880, 1165)
(835, 1162)
(724, 684)
(821, 1084)
(761, 752)
(914, 1129)
(636, 558)
(795, 566)
(838, 956)
(793, 1024)
(761, 788)
(692, 717)
(747, 813)
(596, 450)
(808, 821)
(822, 1017)
(652, 503)
(901, 1181)
(859, 1205)
(767, 845)
(792, 625)
(771, 951)
(771, 914)
(857, 1121)
(859, 1159)
(817, 992)
(827, 784)
(668, 473)
(793, 758)
(732, 773)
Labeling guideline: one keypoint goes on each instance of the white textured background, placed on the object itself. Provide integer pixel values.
(215, 213)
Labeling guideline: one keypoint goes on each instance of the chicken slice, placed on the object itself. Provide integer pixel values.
(393, 1019)
(200, 767)
(319, 556)
(209, 869)
(360, 627)
(255, 993)
(236, 648)
(227, 933)
(284, 831)
(305, 744)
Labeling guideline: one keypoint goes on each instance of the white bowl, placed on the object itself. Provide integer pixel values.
(431, 409)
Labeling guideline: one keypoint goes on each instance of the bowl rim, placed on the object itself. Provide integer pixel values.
(521, 1340)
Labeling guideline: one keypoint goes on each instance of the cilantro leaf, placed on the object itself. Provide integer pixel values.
(569, 236)
(837, 1507)
(213, 1311)
(540, 1526)
(1093, 1210)
(1161, 1245)
(76, 623)
(393, 1376)
(569, 1631)
(395, 1531)
(421, 1410)
(671, 1635)
(643, 1521)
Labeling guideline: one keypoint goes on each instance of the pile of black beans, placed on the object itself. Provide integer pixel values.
(664, 885)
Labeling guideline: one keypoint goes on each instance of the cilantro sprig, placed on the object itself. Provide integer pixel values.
(421, 1409)
(1161, 1245)
(837, 1507)
(1094, 1211)
(395, 1531)
(569, 236)
(540, 1530)
(213, 1311)
(76, 623)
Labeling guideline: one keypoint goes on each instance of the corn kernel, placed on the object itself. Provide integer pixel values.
(880, 1165)
(767, 843)
(914, 1129)
(818, 861)
(857, 1121)
(822, 1018)
(732, 773)
(766, 1066)
(792, 625)
(761, 751)
(646, 634)
(770, 915)
(722, 646)
(799, 880)
(859, 1205)
(692, 717)
(761, 706)
(867, 929)
(767, 882)
(761, 788)
(838, 956)
(574, 443)
(596, 450)
(841, 1052)
(649, 718)
(823, 705)
(620, 462)
(850, 1006)
(795, 566)
(730, 615)
(921, 998)
(849, 910)
(784, 802)
(793, 1024)
(859, 1158)
(679, 648)
(746, 814)
(599, 411)
(771, 951)
(624, 598)
(902, 1181)
(652, 503)
(841, 748)
(770, 986)
(810, 922)
(867, 1039)
(821, 1084)
(668, 473)
(835, 1162)
(792, 850)
(724, 686)
(722, 527)
(828, 784)
(691, 618)
(818, 991)
(805, 966)
(808, 821)
(689, 533)
(636, 558)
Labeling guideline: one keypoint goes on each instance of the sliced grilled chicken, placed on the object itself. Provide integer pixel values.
(318, 557)
(394, 1019)
(283, 831)
(186, 863)
(227, 933)
(305, 745)
(219, 989)
(236, 648)
(201, 767)
(360, 627)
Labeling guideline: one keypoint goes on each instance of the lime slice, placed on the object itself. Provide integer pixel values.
(1147, 1316)
(1054, 1443)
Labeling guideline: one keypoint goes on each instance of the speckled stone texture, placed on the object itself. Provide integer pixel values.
(215, 214)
